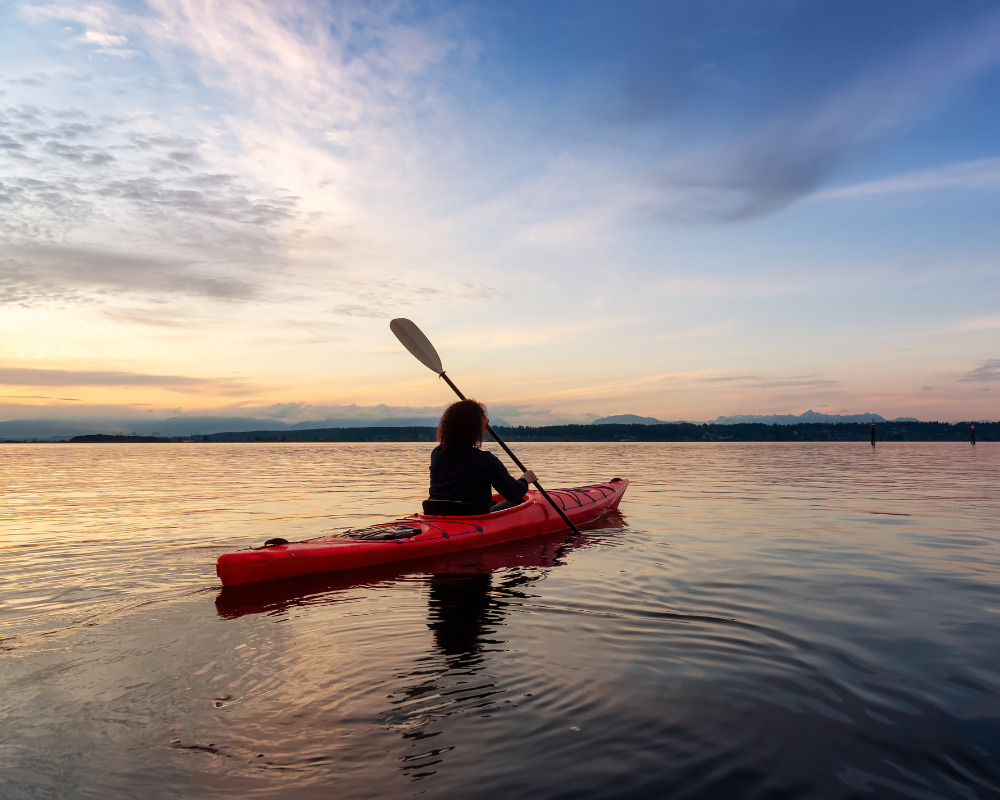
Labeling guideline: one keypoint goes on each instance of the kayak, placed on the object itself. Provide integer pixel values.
(545, 550)
(418, 536)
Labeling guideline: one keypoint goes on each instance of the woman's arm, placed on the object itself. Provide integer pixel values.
(511, 490)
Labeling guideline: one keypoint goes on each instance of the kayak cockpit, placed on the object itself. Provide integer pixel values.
(447, 509)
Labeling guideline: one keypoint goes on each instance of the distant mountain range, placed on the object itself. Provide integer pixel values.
(187, 426)
(807, 416)
(768, 419)
(631, 419)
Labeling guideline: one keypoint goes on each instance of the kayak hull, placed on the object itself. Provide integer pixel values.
(437, 534)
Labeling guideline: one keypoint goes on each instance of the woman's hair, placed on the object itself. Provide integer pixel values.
(462, 425)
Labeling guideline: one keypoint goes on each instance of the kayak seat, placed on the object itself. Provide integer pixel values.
(450, 508)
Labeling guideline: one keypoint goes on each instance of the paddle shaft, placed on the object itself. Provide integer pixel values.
(517, 461)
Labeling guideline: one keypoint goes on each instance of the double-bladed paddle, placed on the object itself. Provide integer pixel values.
(413, 339)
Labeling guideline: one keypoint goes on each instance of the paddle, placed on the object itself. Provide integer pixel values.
(413, 339)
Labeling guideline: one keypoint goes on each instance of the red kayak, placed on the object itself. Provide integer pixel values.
(419, 536)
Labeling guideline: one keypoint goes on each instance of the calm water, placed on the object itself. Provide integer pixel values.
(760, 620)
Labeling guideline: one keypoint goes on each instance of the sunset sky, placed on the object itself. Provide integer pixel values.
(673, 209)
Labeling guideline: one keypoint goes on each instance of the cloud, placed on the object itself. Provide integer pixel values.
(22, 376)
(656, 385)
(980, 323)
(62, 377)
(105, 39)
(70, 179)
(812, 382)
(987, 371)
(529, 414)
(580, 194)
(61, 176)
(713, 329)
(789, 158)
(500, 334)
(396, 293)
(311, 76)
(360, 310)
(40, 397)
(758, 382)
(301, 411)
(981, 174)
(92, 15)
(147, 317)
(108, 43)
(30, 274)
(729, 378)
(189, 200)
(305, 412)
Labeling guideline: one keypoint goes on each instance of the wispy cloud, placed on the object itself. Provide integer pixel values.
(712, 329)
(790, 157)
(981, 174)
(987, 371)
(495, 335)
(67, 184)
(40, 397)
(578, 197)
(656, 384)
(21, 376)
(987, 323)
(792, 381)
(31, 274)
(335, 128)
(300, 411)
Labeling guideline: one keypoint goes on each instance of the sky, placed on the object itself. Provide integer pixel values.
(672, 209)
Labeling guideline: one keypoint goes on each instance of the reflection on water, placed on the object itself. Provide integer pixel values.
(462, 613)
(808, 620)
(459, 606)
(466, 609)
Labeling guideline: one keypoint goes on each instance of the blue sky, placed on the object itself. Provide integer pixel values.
(673, 209)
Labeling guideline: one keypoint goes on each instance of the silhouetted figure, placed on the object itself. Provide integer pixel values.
(462, 473)
(973, 439)
(459, 611)
(873, 433)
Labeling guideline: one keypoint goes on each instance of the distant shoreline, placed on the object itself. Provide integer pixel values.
(678, 432)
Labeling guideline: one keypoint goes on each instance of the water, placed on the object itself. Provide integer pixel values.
(760, 620)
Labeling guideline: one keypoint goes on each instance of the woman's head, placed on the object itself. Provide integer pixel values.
(462, 425)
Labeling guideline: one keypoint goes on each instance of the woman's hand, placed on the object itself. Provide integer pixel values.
(528, 476)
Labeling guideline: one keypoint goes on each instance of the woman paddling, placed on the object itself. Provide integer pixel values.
(462, 473)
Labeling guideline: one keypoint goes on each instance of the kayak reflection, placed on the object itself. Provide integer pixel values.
(538, 551)
(469, 596)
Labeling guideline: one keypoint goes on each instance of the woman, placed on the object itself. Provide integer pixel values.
(462, 472)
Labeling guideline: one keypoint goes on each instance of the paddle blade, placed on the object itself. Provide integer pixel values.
(413, 339)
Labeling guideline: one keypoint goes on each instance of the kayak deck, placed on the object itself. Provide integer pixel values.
(419, 536)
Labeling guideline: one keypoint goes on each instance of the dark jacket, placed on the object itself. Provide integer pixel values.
(468, 475)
